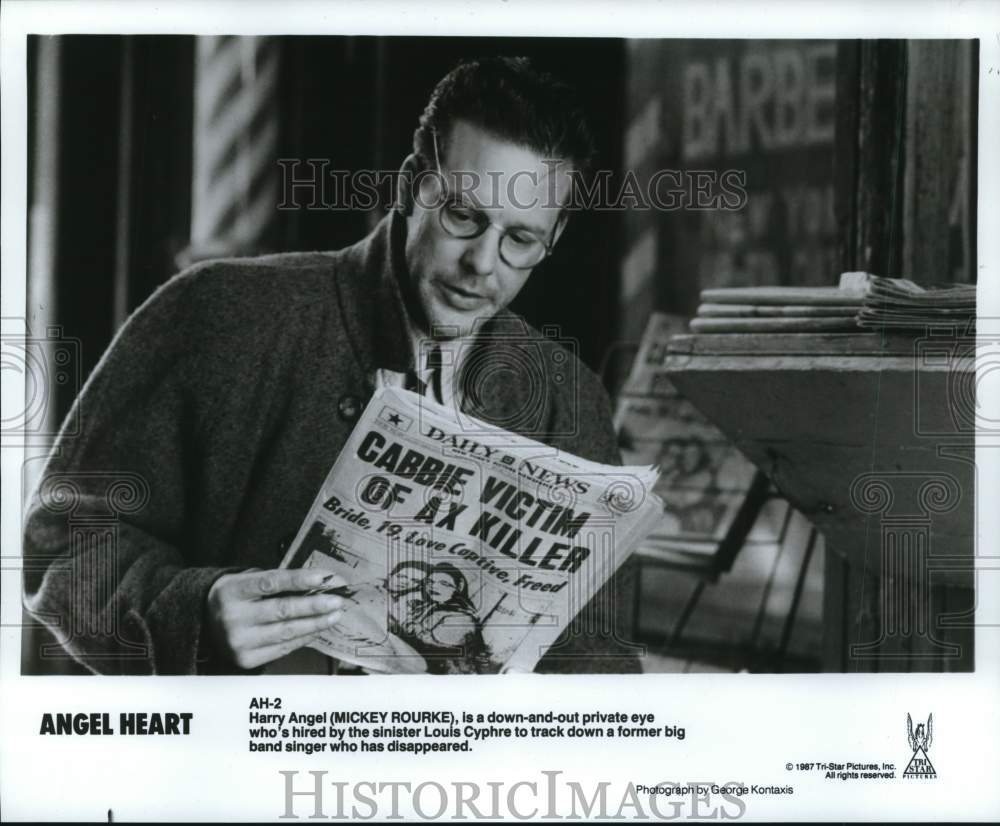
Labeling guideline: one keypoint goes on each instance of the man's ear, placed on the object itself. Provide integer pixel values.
(404, 186)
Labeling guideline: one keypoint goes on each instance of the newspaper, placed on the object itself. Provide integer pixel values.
(899, 303)
(466, 548)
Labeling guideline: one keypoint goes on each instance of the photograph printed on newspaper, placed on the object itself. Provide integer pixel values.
(463, 552)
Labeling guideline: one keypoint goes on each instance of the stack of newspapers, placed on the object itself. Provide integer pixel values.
(896, 303)
(783, 309)
(861, 302)
(465, 548)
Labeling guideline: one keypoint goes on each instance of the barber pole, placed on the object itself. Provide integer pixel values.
(235, 186)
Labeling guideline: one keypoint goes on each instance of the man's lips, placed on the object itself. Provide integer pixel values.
(462, 299)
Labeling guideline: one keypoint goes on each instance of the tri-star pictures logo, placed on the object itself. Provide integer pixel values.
(920, 742)
(395, 418)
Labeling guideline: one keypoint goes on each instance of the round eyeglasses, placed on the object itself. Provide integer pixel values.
(519, 248)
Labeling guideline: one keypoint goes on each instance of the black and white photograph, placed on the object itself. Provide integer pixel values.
(588, 390)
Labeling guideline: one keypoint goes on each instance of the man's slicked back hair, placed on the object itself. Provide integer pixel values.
(509, 98)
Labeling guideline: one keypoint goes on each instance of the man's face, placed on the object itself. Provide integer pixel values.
(459, 280)
(405, 579)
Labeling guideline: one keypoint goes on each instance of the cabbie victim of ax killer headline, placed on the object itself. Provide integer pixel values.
(521, 507)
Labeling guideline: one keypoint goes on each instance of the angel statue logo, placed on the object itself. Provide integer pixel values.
(920, 743)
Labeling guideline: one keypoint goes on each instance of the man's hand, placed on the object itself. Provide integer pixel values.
(259, 616)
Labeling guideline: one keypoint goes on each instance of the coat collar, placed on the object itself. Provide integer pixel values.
(371, 301)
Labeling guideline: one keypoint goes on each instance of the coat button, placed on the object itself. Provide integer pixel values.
(349, 408)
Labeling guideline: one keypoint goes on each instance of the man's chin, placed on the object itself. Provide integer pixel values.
(447, 324)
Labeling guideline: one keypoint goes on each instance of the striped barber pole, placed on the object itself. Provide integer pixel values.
(235, 186)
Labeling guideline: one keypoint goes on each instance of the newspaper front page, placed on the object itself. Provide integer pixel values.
(466, 549)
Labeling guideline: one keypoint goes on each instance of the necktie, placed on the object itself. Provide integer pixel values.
(414, 384)
(434, 378)
(434, 367)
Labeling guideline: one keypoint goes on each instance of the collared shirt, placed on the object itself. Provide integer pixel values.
(452, 353)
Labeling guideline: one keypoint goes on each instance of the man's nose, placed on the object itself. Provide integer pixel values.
(481, 253)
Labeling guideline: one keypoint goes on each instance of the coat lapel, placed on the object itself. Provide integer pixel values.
(371, 302)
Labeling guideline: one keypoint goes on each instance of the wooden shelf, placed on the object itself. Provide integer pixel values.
(872, 439)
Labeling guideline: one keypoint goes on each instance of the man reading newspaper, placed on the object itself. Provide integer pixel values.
(464, 549)
(222, 404)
